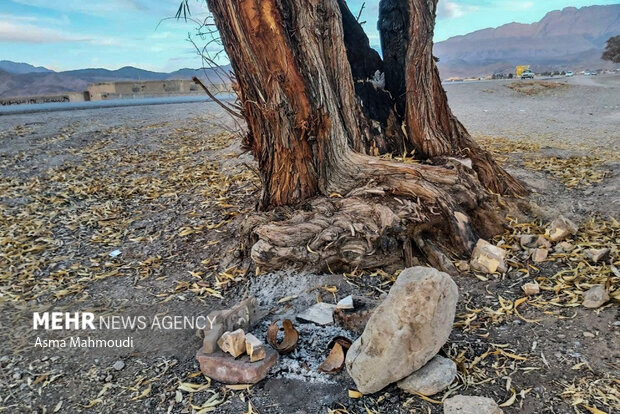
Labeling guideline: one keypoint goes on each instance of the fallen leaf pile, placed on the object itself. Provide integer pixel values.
(536, 87)
(57, 227)
(573, 172)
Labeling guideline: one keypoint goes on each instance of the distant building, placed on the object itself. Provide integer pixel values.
(142, 89)
(121, 90)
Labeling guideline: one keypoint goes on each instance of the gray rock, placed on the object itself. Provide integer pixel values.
(432, 378)
(405, 331)
(320, 313)
(243, 315)
(597, 255)
(118, 365)
(595, 297)
(464, 404)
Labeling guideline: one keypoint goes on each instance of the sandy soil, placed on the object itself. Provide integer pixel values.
(168, 186)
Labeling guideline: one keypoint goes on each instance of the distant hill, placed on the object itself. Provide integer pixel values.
(50, 82)
(568, 39)
(16, 67)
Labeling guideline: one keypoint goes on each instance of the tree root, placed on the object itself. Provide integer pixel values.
(402, 211)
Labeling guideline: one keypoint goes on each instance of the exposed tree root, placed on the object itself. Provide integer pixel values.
(400, 212)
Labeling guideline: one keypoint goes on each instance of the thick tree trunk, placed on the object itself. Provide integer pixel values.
(298, 95)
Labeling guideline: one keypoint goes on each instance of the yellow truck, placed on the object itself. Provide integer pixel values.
(521, 69)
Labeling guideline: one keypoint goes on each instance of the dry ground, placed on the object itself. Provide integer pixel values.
(168, 186)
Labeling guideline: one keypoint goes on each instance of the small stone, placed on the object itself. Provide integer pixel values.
(224, 368)
(589, 335)
(488, 258)
(254, 348)
(561, 228)
(109, 378)
(320, 313)
(597, 255)
(528, 241)
(233, 342)
(118, 365)
(464, 404)
(346, 303)
(540, 255)
(595, 297)
(432, 378)
(564, 247)
(531, 289)
(17, 376)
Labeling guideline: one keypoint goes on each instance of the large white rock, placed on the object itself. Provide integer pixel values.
(405, 331)
(464, 404)
(432, 378)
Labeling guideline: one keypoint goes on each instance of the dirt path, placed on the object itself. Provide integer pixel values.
(164, 185)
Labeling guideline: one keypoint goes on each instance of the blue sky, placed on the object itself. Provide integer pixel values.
(74, 34)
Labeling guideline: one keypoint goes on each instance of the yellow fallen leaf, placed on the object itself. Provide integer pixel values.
(355, 394)
(510, 400)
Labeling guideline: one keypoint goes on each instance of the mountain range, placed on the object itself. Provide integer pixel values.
(568, 39)
(22, 79)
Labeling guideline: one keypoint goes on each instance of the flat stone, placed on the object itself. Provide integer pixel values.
(432, 378)
(345, 303)
(597, 255)
(488, 258)
(595, 297)
(531, 289)
(539, 255)
(118, 365)
(561, 228)
(464, 404)
(405, 331)
(320, 313)
(355, 320)
(233, 342)
(222, 367)
(243, 315)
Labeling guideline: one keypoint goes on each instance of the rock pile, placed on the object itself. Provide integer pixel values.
(241, 358)
(404, 332)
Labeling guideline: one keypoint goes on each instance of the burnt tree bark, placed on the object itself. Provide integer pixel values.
(310, 131)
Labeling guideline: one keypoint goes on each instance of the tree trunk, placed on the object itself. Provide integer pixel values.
(308, 130)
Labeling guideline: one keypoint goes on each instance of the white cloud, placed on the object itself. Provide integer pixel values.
(161, 8)
(452, 9)
(28, 33)
(35, 33)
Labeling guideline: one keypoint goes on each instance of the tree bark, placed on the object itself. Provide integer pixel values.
(308, 131)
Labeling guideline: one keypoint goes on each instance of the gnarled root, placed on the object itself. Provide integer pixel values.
(403, 210)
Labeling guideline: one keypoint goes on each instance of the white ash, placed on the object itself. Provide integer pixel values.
(303, 362)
